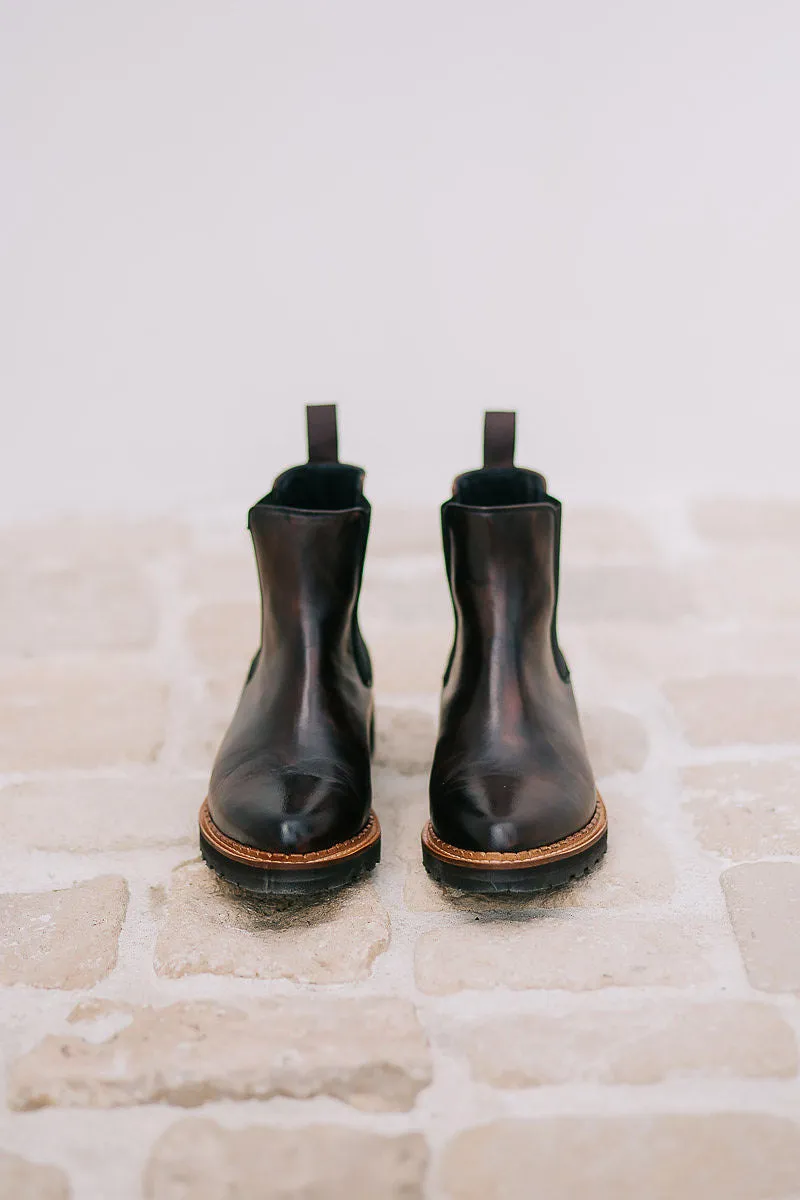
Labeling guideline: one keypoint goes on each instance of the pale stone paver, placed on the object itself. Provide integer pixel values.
(80, 586)
(401, 802)
(655, 1041)
(637, 652)
(763, 901)
(52, 604)
(405, 532)
(615, 740)
(224, 636)
(62, 939)
(24, 1180)
(97, 815)
(83, 713)
(88, 540)
(746, 810)
(406, 595)
(209, 927)
(617, 1016)
(738, 1156)
(211, 576)
(408, 659)
(601, 535)
(405, 739)
(369, 1052)
(622, 593)
(757, 585)
(579, 953)
(724, 709)
(200, 1160)
(209, 717)
(735, 521)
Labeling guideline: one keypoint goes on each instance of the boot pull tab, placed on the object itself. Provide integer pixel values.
(499, 436)
(323, 438)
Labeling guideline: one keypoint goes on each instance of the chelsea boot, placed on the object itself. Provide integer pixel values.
(289, 806)
(513, 802)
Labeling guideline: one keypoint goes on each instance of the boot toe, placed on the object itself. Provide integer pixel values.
(505, 813)
(287, 812)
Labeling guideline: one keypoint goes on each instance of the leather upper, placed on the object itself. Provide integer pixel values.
(293, 772)
(510, 771)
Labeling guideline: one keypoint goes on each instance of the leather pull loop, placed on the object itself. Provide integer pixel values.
(323, 437)
(499, 436)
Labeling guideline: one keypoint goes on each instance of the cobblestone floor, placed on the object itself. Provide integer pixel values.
(635, 1036)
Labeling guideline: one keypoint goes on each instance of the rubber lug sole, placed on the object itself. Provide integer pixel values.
(271, 874)
(540, 870)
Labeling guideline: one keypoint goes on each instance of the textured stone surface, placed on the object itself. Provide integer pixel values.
(228, 573)
(754, 585)
(224, 636)
(55, 601)
(199, 1160)
(210, 717)
(645, 1044)
(405, 532)
(738, 1156)
(638, 652)
(23, 1180)
(76, 539)
(401, 802)
(636, 870)
(614, 593)
(764, 905)
(406, 593)
(86, 815)
(62, 939)
(370, 1052)
(408, 660)
(746, 810)
(87, 713)
(603, 535)
(735, 521)
(124, 651)
(210, 927)
(405, 739)
(577, 954)
(616, 741)
(724, 709)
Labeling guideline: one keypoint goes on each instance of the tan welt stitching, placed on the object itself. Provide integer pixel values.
(566, 848)
(266, 858)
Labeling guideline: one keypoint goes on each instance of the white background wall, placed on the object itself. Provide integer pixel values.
(213, 213)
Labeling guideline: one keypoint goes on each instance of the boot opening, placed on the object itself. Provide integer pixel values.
(499, 487)
(319, 487)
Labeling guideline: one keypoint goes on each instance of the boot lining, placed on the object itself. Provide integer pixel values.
(319, 487)
(499, 487)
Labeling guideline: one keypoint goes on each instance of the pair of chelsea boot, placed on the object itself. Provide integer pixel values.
(513, 802)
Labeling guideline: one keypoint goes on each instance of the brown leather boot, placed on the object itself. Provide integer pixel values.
(514, 807)
(289, 803)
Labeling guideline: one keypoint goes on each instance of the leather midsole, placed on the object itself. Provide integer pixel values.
(576, 843)
(252, 856)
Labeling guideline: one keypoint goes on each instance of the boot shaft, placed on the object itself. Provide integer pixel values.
(501, 567)
(310, 566)
(502, 535)
(309, 537)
